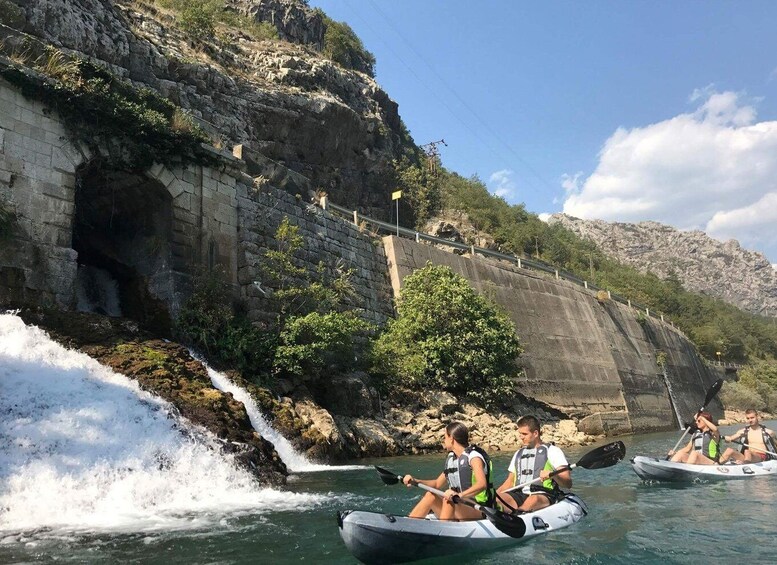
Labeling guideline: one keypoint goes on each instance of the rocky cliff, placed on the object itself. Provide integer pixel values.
(334, 126)
(740, 277)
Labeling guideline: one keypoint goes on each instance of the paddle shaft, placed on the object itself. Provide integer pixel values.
(539, 479)
(457, 498)
(757, 449)
(710, 395)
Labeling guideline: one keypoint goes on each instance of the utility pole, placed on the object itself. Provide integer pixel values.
(591, 265)
(433, 154)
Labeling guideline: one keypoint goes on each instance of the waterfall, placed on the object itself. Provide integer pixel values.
(295, 461)
(83, 448)
(97, 291)
(672, 401)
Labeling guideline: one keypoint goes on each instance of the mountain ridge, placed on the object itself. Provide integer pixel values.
(724, 270)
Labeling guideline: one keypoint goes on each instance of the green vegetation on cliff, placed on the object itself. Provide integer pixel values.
(100, 109)
(199, 19)
(343, 46)
(448, 337)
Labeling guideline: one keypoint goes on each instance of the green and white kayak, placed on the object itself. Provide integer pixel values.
(654, 469)
(383, 538)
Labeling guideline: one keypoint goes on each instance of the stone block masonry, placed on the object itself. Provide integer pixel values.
(328, 238)
(37, 185)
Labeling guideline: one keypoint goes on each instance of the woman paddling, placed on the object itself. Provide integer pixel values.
(467, 473)
(704, 447)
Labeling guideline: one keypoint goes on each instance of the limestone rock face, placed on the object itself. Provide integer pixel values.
(726, 271)
(335, 126)
(293, 21)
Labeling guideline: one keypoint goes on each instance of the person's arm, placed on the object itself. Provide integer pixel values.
(509, 482)
(713, 428)
(687, 449)
(733, 437)
(437, 483)
(558, 461)
(564, 478)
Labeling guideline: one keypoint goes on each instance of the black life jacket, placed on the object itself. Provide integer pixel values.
(768, 441)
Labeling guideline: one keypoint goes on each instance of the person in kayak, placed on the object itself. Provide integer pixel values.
(535, 460)
(467, 473)
(704, 446)
(759, 440)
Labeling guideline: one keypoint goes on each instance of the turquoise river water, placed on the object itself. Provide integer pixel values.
(629, 522)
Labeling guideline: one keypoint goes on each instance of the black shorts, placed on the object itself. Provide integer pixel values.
(520, 496)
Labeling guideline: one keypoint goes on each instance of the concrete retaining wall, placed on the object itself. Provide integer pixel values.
(591, 359)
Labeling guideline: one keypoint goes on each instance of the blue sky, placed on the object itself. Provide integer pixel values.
(622, 111)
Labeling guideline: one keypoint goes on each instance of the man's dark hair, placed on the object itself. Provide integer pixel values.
(530, 422)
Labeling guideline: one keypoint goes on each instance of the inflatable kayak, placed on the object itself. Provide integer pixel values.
(382, 538)
(654, 469)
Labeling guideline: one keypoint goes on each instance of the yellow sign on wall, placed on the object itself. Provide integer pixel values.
(396, 195)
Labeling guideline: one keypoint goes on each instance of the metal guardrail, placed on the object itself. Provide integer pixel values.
(521, 262)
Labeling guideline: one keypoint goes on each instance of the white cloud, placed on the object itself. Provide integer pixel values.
(713, 169)
(501, 183)
(544, 217)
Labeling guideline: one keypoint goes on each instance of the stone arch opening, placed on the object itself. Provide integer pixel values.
(122, 232)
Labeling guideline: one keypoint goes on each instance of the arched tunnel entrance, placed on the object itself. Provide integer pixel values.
(122, 231)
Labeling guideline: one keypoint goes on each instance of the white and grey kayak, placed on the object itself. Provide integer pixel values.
(654, 469)
(382, 538)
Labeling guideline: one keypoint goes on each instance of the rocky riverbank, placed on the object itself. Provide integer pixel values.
(348, 419)
(731, 417)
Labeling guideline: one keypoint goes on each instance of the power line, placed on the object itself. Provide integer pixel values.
(461, 101)
(432, 91)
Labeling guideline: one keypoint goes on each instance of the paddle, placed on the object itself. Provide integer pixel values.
(604, 456)
(508, 524)
(756, 449)
(707, 399)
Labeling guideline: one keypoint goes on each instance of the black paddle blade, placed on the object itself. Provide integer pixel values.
(604, 456)
(508, 524)
(714, 389)
(387, 476)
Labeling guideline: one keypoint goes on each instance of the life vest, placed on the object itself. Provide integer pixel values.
(768, 441)
(529, 462)
(706, 444)
(461, 476)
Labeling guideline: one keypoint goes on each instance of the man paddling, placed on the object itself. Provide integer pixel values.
(759, 439)
(535, 460)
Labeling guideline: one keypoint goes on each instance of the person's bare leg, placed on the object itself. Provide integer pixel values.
(427, 504)
(465, 513)
(534, 502)
(447, 510)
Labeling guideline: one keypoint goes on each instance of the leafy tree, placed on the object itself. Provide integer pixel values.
(315, 336)
(420, 189)
(448, 337)
(311, 337)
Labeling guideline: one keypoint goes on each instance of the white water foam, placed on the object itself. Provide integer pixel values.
(295, 461)
(84, 449)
